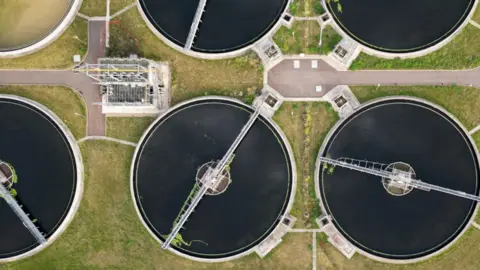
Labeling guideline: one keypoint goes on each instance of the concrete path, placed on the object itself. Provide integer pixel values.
(107, 139)
(118, 13)
(474, 23)
(301, 82)
(79, 82)
(476, 129)
(476, 225)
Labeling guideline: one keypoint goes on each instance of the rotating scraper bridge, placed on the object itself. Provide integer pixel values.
(195, 23)
(209, 180)
(291, 77)
(400, 177)
(18, 210)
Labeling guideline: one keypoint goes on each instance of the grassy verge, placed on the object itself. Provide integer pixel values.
(59, 54)
(462, 255)
(460, 101)
(461, 53)
(127, 128)
(306, 8)
(121, 43)
(240, 77)
(94, 8)
(329, 40)
(64, 102)
(117, 5)
(476, 15)
(304, 38)
(107, 233)
(305, 125)
(477, 218)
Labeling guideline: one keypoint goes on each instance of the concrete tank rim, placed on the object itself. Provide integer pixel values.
(406, 98)
(79, 183)
(406, 55)
(290, 199)
(50, 37)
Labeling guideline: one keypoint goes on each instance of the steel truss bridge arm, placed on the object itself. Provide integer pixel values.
(379, 169)
(208, 180)
(27, 222)
(195, 23)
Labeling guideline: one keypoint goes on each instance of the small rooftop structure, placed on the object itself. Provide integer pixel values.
(269, 52)
(131, 86)
(335, 238)
(342, 100)
(345, 52)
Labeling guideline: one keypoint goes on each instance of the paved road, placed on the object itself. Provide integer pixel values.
(82, 84)
(79, 82)
(289, 81)
(301, 82)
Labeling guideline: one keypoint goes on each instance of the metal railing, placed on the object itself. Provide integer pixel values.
(208, 179)
(195, 23)
(380, 169)
(27, 222)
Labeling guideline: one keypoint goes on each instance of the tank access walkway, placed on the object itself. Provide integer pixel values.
(296, 78)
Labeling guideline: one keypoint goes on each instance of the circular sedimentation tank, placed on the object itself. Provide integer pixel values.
(42, 154)
(231, 221)
(400, 26)
(226, 26)
(26, 26)
(387, 223)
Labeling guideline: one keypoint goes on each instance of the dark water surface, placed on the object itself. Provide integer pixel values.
(401, 25)
(247, 211)
(420, 222)
(46, 171)
(226, 25)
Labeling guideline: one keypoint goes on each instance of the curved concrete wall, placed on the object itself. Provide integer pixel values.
(210, 56)
(389, 55)
(78, 189)
(318, 169)
(50, 37)
(287, 210)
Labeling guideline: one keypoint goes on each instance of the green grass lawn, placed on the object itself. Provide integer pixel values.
(306, 8)
(329, 40)
(64, 102)
(476, 15)
(94, 8)
(304, 38)
(107, 233)
(127, 128)
(57, 55)
(463, 255)
(462, 52)
(117, 5)
(239, 77)
(305, 140)
(460, 101)
(476, 138)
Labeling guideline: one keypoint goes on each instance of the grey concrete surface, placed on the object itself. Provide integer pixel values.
(301, 82)
(79, 82)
